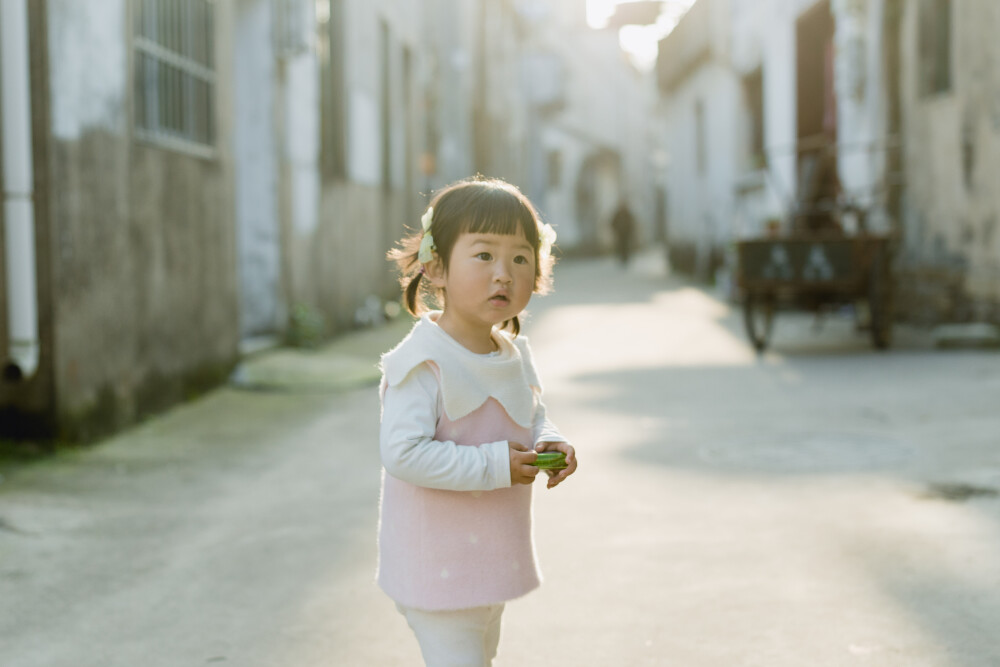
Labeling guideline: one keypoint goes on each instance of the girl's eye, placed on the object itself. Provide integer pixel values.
(485, 256)
(521, 259)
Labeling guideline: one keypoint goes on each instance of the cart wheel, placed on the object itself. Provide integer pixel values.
(758, 318)
(880, 302)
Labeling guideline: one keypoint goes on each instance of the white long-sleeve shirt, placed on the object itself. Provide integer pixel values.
(410, 452)
(414, 396)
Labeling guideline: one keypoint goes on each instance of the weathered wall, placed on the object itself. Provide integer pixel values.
(141, 255)
(346, 255)
(336, 252)
(950, 261)
(701, 132)
(262, 201)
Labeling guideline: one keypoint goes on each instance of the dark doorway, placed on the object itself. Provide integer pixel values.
(816, 106)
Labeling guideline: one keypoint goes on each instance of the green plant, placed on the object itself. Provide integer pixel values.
(306, 326)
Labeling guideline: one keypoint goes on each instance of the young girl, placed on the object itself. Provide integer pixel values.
(462, 422)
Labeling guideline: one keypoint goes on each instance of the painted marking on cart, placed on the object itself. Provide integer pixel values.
(818, 267)
(778, 266)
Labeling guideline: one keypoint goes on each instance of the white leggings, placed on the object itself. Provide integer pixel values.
(461, 638)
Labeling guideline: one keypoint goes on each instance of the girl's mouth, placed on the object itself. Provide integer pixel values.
(499, 300)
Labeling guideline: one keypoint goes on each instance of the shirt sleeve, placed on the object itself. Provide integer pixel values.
(409, 451)
(543, 430)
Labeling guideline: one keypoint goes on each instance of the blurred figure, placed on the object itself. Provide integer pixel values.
(623, 226)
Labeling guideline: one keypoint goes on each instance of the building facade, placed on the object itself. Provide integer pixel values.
(134, 233)
(949, 108)
(882, 105)
(197, 175)
(701, 93)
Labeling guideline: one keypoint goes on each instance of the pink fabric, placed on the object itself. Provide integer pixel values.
(458, 549)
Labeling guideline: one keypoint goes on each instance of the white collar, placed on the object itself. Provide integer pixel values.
(468, 379)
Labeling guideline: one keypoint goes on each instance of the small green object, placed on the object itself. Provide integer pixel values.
(551, 461)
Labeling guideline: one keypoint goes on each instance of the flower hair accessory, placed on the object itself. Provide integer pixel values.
(427, 247)
(546, 237)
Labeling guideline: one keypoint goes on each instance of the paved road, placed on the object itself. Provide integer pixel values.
(823, 505)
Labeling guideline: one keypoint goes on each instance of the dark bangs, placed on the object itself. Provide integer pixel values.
(501, 211)
(487, 207)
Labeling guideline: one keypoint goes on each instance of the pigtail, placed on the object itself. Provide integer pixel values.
(412, 294)
(415, 290)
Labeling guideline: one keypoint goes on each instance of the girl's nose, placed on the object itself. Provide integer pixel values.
(502, 274)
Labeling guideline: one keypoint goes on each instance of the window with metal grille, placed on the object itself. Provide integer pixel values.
(174, 73)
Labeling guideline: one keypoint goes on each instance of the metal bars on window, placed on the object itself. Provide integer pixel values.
(174, 73)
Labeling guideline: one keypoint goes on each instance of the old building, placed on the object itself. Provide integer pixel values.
(700, 111)
(879, 105)
(949, 115)
(184, 182)
(200, 170)
(134, 259)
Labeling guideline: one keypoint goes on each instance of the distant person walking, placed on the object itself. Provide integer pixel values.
(464, 430)
(623, 226)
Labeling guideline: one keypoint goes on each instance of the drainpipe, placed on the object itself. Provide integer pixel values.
(18, 208)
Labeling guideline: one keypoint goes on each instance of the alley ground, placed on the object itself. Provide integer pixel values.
(825, 504)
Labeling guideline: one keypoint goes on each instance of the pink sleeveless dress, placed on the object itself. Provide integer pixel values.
(458, 549)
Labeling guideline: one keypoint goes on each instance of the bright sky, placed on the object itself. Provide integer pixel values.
(640, 42)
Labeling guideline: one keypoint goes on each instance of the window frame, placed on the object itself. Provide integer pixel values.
(171, 66)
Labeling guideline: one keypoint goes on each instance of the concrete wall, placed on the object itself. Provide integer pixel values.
(139, 284)
(342, 226)
(258, 144)
(701, 129)
(701, 206)
(950, 262)
(146, 277)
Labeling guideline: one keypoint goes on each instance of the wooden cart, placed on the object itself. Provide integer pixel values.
(817, 264)
(812, 272)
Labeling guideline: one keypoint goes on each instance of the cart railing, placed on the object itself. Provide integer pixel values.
(818, 259)
(819, 201)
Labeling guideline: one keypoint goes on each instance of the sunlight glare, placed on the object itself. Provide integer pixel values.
(598, 12)
(640, 42)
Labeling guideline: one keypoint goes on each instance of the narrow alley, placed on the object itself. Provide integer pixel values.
(825, 504)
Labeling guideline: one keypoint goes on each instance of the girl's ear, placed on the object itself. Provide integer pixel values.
(434, 272)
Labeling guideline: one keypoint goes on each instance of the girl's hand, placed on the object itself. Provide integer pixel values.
(521, 458)
(557, 476)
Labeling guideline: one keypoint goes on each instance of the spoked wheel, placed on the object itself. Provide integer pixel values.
(880, 301)
(758, 319)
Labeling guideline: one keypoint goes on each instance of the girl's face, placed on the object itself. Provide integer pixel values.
(489, 279)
